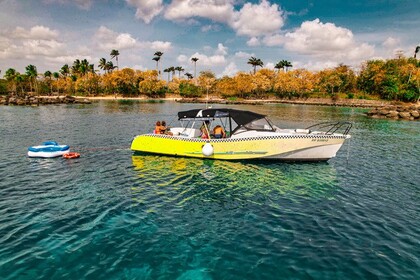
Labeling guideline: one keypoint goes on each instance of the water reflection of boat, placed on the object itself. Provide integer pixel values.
(249, 135)
(164, 179)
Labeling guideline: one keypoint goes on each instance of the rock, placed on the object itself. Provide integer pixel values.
(373, 112)
(415, 114)
(392, 114)
(20, 102)
(404, 115)
(12, 100)
(384, 111)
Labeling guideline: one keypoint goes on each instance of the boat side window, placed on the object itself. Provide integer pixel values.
(261, 124)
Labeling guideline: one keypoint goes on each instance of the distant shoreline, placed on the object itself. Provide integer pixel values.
(363, 103)
(29, 99)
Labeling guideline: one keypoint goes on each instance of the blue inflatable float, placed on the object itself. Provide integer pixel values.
(48, 149)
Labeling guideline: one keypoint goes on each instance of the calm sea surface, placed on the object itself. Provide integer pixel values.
(114, 215)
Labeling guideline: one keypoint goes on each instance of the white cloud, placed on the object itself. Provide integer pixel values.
(30, 43)
(313, 37)
(244, 54)
(251, 20)
(269, 65)
(107, 39)
(216, 10)
(391, 43)
(63, 59)
(253, 42)
(37, 32)
(139, 67)
(210, 27)
(230, 70)
(258, 19)
(273, 40)
(362, 51)
(217, 58)
(213, 60)
(41, 47)
(315, 65)
(182, 58)
(156, 45)
(147, 10)
(221, 50)
(326, 40)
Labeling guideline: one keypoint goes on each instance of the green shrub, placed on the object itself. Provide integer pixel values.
(408, 95)
(189, 90)
(3, 86)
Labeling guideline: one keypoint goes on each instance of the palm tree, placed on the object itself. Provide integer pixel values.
(48, 75)
(189, 76)
(179, 69)
(110, 66)
(194, 60)
(91, 68)
(75, 69)
(157, 57)
(65, 70)
(167, 70)
(56, 76)
(19, 79)
(115, 54)
(416, 51)
(255, 62)
(279, 65)
(102, 64)
(287, 64)
(10, 76)
(32, 73)
(84, 67)
(172, 70)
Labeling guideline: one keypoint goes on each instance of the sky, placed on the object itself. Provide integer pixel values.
(222, 34)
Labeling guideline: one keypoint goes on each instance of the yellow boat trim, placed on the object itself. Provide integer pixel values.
(234, 153)
(232, 149)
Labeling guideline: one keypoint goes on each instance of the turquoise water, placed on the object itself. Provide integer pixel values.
(114, 215)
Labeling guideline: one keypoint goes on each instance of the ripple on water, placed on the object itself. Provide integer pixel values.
(111, 214)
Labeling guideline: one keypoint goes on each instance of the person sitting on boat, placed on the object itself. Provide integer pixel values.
(219, 132)
(164, 129)
(205, 130)
(157, 128)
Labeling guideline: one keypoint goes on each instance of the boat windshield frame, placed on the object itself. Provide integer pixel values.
(268, 126)
(239, 117)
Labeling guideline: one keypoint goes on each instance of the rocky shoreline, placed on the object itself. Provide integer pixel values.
(380, 108)
(404, 112)
(31, 100)
(362, 103)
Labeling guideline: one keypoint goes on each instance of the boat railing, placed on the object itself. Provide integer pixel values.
(332, 127)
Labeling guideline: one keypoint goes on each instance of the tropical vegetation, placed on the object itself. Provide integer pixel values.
(391, 79)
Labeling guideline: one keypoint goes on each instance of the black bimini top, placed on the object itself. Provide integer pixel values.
(239, 116)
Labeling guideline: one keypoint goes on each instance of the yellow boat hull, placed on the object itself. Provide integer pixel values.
(289, 148)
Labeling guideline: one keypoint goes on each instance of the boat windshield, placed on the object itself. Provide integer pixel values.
(260, 124)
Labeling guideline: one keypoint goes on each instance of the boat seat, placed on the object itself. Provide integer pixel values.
(186, 132)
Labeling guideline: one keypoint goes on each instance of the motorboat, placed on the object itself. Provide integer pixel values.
(247, 135)
(48, 149)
